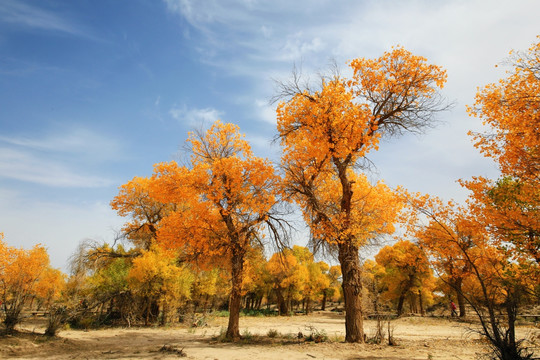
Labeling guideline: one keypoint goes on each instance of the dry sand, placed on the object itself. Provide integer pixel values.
(417, 338)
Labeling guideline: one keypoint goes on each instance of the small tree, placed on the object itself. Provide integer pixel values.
(256, 282)
(108, 287)
(49, 292)
(288, 277)
(20, 271)
(407, 274)
(156, 278)
(499, 281)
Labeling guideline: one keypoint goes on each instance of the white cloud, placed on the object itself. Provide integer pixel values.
(265, 111)
(22, 14)
(59, 159)
(468, 34)
(78, 141)
(298, 46)
(195, 116)
(466, 37)
(25, 166)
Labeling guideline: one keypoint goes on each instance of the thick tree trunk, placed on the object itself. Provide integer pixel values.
(323, 306)
(282, 304)
(352, 291)
(235, 299)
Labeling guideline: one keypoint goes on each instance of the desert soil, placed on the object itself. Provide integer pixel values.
(417, 338)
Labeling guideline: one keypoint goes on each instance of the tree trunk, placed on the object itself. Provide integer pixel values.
(460, 298)
(237, 262)
(308, 305)
(147, 312)
(511, 310)
(205, 303)
(282, 304)
(420, 302)
(375, 296)
(323, 306)
(352, 291)
(400, 304)
(11, 319)
(164, 314)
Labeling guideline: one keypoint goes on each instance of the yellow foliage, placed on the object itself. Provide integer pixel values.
(509, 111)
(20, 274)
(222, 201)
(406, 272)
(156, 274)
(50, 286)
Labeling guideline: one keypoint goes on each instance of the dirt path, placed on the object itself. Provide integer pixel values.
(418, 338)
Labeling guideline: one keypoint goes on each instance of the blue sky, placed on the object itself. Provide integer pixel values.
(95, 92)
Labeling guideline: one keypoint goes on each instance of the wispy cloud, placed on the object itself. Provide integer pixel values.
(261, 42)
(60, 160)
(249, 40)
(76, 141)
(30, 16)
(25, 166)
(195, 116)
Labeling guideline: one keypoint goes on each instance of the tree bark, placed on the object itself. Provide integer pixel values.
(307, 305)
(352, 291)
(511, 310)
(420, 302)
(235, 299)
(283, 308)
(460, 298)
(164, 314)
(400, 303)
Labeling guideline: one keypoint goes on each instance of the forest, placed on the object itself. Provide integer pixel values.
(215, 235)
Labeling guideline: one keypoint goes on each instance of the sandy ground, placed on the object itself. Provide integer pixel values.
(417, 338)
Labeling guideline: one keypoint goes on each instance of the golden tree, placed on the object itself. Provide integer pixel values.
(449, 245)
(508, 209)
(50, 286)
(207, 286)
(326, 133)
(288, 277)
(222, 204)
(494, 281)
(256, 282)
(20, 272)
(156, 277)
(332, 291)
(145, 212)
(407, 274)
(509, 109)
(316, 280)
